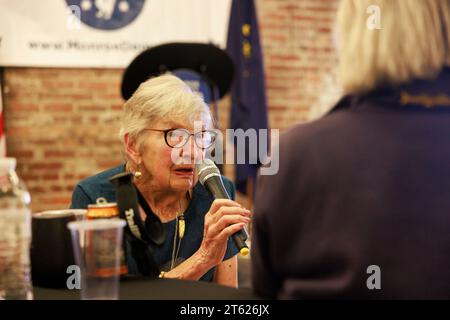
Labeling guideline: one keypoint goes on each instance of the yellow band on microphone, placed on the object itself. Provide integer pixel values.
(244, 251)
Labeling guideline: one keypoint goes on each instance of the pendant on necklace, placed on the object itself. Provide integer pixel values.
(181, 226)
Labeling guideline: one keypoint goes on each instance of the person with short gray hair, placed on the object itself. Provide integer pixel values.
(166, 127)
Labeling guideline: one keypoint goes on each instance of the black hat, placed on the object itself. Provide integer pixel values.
(209, 61)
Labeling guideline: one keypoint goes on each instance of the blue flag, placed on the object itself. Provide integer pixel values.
(249, 108)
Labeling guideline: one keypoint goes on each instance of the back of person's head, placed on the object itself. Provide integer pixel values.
(413, 42)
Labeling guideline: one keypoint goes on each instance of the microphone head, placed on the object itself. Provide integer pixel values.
(205, 169)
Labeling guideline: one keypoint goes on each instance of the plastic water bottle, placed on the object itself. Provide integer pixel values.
(15, 234)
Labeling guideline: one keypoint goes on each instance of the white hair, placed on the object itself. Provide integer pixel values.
(413, 42)
(165, 97)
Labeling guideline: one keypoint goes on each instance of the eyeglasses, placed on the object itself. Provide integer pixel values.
(177, 138)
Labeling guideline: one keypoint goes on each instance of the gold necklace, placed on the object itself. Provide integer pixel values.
(180, 227)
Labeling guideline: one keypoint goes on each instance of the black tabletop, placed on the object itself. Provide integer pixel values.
(157, 289)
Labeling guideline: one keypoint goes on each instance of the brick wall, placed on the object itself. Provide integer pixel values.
(62, 124)
(299, 57)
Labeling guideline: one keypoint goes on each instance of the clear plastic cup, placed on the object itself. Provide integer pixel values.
(97, 246)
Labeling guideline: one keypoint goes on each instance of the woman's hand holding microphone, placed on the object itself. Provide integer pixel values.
(224, 218)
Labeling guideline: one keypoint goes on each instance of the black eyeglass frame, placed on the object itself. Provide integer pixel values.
(167, 131)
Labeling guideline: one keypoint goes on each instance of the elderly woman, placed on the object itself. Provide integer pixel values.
(367, 214)
(161, 148)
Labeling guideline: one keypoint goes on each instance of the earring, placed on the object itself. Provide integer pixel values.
(138, 173)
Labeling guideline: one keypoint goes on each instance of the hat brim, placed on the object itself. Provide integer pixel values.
(213, 63)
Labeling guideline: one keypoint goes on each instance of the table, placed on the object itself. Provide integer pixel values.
(157, 289)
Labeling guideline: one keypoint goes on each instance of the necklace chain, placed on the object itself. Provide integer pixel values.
(179, 233)
(176, 248)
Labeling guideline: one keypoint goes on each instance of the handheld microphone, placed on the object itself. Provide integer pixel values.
(209, 176)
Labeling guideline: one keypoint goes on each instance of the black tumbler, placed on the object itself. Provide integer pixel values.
(51, 247)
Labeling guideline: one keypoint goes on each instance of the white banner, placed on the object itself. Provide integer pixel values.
(103, 33)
